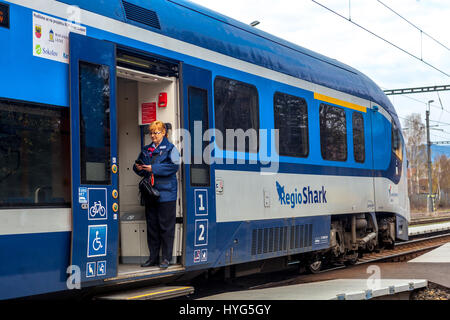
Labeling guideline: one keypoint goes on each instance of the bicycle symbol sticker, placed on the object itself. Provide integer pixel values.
(97, 209)
(97, 204)
(97, 240)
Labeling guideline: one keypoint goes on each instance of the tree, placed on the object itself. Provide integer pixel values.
(441, 178)
(415, 139)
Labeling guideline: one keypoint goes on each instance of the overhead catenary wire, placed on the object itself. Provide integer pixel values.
(431, 132)
(425, 103)
(440, 101)
(381, 38)
(437, 136)
(412, 24)
(441, 123)
(349, 19)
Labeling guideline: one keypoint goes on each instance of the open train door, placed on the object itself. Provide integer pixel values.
(95, 215)
(199, 169)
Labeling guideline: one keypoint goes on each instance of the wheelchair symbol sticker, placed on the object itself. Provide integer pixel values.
(97, 240)
(97, 204)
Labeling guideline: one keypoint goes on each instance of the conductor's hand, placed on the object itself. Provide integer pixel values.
(145, 167)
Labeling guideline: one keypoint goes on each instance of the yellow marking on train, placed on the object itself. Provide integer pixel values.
(158, 292)
(342, 103)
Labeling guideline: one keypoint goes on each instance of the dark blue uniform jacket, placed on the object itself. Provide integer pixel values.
(165, 161)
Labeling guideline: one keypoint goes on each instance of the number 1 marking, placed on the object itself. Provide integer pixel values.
(201, 202)
(201, 208)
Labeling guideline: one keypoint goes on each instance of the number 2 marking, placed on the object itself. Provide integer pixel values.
(201, 233)
(201, 236)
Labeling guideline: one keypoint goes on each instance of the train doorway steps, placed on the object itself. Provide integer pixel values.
(135, 271)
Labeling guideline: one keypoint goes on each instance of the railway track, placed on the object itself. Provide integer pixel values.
(406, 250)
(422, 221)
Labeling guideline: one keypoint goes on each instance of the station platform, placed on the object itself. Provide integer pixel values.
(438, 255)
(339, 289)
(359, 282)
(423, 229)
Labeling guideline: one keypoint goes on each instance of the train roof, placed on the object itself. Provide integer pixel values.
(195, 24)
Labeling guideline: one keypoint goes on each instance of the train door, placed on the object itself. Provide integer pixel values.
(381, 151)
(94, 157)
(198, 168)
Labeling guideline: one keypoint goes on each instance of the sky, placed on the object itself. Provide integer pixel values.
(306, 23)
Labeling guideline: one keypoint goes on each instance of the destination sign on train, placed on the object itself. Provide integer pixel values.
(4, 15)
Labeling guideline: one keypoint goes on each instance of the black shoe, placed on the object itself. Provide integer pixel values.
(148, 263)
(164, 264)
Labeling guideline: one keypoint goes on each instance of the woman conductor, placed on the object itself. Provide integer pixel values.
(162, 159)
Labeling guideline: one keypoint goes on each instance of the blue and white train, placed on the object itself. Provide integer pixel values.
(301, 156)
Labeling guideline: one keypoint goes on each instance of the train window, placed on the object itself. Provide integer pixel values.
(291, 119)
(4, 15)
(95, 147)
(397, 146)
(358, 137)
(198, 115)
(236, 115)
(333, 133)
(34, 155)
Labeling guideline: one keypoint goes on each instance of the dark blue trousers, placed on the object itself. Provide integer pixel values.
(161, 217)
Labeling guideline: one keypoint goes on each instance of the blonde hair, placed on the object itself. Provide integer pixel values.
(157, 126)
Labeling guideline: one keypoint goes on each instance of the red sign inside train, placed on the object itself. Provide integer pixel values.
(148, 112)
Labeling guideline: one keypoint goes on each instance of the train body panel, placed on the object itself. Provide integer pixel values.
(248, 241)
(290, 195)
(253, 205)
(33, 263)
